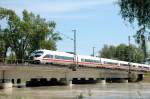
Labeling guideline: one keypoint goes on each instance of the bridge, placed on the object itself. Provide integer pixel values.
(29, 74)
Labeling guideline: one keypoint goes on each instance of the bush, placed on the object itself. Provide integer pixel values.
(133, 77)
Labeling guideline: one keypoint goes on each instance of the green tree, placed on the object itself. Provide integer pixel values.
(129, 53)
(24, 35)
(123, 52)
(141, 40)
(4, 43)
(137, 11)
(1, 46)
(107, 52)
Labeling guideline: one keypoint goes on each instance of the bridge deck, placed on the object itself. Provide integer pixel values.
(58, 66)
(27, 72)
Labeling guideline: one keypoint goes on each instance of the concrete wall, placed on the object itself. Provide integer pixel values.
(25, 73)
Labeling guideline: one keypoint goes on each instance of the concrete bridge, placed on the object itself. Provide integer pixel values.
(24, 74)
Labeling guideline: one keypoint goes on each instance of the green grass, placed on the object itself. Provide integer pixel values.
(147, 74)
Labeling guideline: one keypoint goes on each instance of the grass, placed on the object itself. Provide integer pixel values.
(146, 77)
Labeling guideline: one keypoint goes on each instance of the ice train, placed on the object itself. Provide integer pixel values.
(55, 57)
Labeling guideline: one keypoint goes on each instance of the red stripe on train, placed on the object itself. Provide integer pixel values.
(69, 61)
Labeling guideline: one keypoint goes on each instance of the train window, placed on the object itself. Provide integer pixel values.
(64, 57)
(37, 55)
(90, 60)
(39, 52)
(140, 66)
(124, 64)
(82, 60)
(48, 56)
(96, 61)
(110, 63)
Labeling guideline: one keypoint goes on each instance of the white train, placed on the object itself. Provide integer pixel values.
(55, 57)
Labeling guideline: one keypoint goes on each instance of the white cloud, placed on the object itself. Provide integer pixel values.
(62, 7)
(55, 8)
(58, 6)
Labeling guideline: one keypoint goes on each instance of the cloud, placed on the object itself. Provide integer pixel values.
(58, 6)
(55, 8)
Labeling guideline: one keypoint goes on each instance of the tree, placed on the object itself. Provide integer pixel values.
(137, 11)
(1, 46)
(129, 53)
(27, 34)
(4, 43)
(123, 52)
(108, 52)
(140, 39)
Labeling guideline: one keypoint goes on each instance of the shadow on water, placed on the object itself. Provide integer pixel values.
(54, 82)
(5, 96)
(88, 91)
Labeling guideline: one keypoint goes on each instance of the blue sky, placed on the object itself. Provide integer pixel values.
(97, 21)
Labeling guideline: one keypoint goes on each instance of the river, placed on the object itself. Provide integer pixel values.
(87, 91)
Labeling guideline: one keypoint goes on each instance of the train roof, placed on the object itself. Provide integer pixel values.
(110, 60)
(67, 54)
(56, 52)
(88, 57)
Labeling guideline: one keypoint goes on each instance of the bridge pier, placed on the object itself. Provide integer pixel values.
(140, 77)
(101, 80)
(124, 80)
(19, 82)
(44, 76)
(65, 81)
(5, 83)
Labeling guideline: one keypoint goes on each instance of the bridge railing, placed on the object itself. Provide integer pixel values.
(28, 62)
(6, 61)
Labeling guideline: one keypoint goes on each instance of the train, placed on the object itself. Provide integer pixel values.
(44, 56)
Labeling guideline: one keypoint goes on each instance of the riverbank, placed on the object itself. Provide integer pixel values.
(146, 78)
(87, 91)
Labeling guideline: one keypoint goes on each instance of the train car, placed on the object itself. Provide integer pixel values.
(135, 65)
(55, 57)
(48, 56)
(88, 61)
(145, 67)
(109, 63)
(123, 63)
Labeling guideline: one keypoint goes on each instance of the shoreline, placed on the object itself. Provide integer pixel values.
(146, 78)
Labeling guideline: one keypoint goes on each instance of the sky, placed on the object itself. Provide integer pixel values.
(97, 22)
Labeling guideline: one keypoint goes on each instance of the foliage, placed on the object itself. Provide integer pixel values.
(26, 34)
(11, 59)
(137, 11)
(80, 96)
(141, 40)
(133, 77)
(1, 47)
(108, 52)
(123, 52)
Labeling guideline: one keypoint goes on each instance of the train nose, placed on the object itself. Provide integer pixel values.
(37, 61)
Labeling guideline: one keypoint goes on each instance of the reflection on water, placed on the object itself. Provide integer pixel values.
(93, 91)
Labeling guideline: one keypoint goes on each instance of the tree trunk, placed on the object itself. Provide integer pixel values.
(19, 57)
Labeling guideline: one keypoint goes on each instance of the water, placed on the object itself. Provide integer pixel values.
(89, 91)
